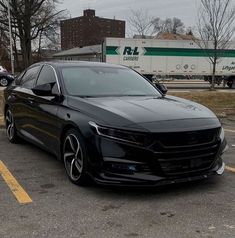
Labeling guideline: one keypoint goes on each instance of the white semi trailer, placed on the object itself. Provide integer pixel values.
(169, 57)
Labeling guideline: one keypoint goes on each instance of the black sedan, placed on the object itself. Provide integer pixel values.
(6, 79)
(109, 123)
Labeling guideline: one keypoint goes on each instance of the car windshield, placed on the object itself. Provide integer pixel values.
(106, 81)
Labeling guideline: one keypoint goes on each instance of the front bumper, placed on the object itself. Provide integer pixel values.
(154, 181)
(125, 165)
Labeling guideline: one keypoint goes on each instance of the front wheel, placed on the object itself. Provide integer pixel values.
(10, 127)
(75, 158)
(4, 82)
(230, 84)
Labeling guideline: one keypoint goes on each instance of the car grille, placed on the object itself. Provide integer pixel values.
(186, 152)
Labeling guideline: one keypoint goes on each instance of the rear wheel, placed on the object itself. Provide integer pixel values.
(230, 84)
(10, 127)
(75, 158)
(4, 82)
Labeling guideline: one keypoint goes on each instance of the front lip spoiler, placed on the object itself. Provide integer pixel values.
(128, 183)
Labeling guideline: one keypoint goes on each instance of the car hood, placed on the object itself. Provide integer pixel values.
(148, 113)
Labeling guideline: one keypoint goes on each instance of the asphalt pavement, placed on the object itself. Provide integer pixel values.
(60, 209)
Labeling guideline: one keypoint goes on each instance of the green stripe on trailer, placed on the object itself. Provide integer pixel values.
(112, 50)
(187, 52)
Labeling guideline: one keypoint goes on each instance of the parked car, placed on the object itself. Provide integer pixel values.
(2, 69)
(6, 79)
(108, 123)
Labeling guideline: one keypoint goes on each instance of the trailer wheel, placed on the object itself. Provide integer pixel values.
(218, 80)
(230, 84)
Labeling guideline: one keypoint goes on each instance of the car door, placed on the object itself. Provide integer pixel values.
(21, 101)
(46, 124)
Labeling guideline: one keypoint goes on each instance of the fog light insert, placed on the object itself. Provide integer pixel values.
(132, 168)
(122, 168)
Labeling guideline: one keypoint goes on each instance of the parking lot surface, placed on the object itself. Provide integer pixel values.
(61, 209)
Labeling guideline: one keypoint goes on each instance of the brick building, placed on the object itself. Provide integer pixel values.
(89, 30)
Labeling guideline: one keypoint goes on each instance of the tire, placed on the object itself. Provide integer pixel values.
(230, 84)
(4, 82)
(10, 127)
(74, 155)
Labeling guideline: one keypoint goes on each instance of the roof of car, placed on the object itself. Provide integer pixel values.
(61, 63)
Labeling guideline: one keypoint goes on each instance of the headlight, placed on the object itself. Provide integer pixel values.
(221, 134)
(121, 135)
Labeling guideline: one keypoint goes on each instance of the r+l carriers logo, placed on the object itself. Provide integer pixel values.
(131, 54)
(229, 67)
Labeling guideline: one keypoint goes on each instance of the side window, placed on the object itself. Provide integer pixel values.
(47, 76)
(29, 78)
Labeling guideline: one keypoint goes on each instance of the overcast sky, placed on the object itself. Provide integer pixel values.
(121, 9)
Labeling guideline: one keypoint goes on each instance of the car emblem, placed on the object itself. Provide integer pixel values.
(192, 138)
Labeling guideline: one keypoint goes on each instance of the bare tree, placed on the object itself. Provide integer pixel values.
(141, 23)
(174, 25)
(177, 26)
(4, 55)
(49, 36)
(29, 19)
(189, 31)
(216, 27)
(145, 25)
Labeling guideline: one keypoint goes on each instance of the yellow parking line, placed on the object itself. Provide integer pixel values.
(15, 187)
(230, 169)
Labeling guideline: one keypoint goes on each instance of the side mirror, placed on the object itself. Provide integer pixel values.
(43, 90)
(162, 88)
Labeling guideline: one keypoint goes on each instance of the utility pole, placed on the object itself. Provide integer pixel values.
(10, 36)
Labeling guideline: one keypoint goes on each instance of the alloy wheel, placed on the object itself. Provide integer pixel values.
(10, 127)
(73, 157)
(3, 82)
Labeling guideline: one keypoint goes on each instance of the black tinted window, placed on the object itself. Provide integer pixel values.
(47, 76)
(30, 77)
